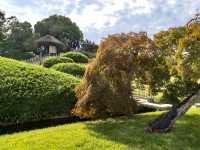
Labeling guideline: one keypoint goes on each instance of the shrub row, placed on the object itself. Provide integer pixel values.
(29, 92)
(50, 61)
(71, 68)
(78, 57)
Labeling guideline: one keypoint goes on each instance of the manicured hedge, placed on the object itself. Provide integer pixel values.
(71, 68)
(30, 92)
(18, 55)
(76, 56)
(50, 61)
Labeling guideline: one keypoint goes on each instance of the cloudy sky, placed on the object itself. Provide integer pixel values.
(98, 18)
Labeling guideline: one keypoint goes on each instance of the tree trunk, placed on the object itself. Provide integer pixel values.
(165, 121)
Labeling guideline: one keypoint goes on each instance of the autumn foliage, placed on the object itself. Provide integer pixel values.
(106, 87)
(188, 53)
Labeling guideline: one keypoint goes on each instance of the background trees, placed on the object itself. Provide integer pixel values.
(188, 54)
(18, 34)
(16, 38)
(89, 46)
(2, 20)
(62, 28)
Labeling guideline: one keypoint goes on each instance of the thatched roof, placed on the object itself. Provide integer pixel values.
(47, 40)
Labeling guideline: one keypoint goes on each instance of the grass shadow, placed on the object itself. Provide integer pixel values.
(130, 132)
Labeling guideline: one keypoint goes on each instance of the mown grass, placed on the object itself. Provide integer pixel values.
(111, 134)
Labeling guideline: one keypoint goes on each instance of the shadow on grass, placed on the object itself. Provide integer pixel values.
(28, 126)
(130, 132)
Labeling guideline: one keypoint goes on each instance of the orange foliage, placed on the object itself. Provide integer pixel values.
(106, 87)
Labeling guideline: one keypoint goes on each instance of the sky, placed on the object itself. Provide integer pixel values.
(99, 18)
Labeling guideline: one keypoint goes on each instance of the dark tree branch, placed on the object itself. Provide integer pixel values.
(165, 121)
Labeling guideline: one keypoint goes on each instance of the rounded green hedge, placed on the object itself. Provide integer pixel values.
(30, 92)
(52, 60)
(70, 68)
(76, 56)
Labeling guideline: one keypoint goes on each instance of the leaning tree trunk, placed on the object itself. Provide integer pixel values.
(165, 121)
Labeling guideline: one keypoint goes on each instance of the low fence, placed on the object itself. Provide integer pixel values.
(36, 60)
(142, 92)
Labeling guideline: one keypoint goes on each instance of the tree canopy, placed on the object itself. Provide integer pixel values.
(179, 61)
(18, 33)
(188, 54)
(2, 20)
(17, 38)
(62, 28)
(89, 46)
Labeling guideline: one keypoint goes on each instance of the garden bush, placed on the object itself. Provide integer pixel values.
(70, 68)
(76, 56)
(30, 92)
(50, 61)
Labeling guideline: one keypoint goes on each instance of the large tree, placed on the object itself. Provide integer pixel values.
(62, 28)
(188, 53)
(168, 42)
(17, 38)
(173, 86)
(106, 86)
(188, 68)
(18, 33)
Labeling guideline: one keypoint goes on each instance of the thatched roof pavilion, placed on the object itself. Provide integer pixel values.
(51, 44)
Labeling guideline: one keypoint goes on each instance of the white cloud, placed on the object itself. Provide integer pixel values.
(52, 6)
(112, 6)
(171, 2)
(97, 18)
(25, 13)
(90, 15)
(107, 16)
(37, 10)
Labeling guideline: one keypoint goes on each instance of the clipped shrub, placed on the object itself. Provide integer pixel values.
(70, 68)
(30, 92)
(52, 60)
(76, 56)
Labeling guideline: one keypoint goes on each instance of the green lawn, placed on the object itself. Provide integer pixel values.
(113, 134)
